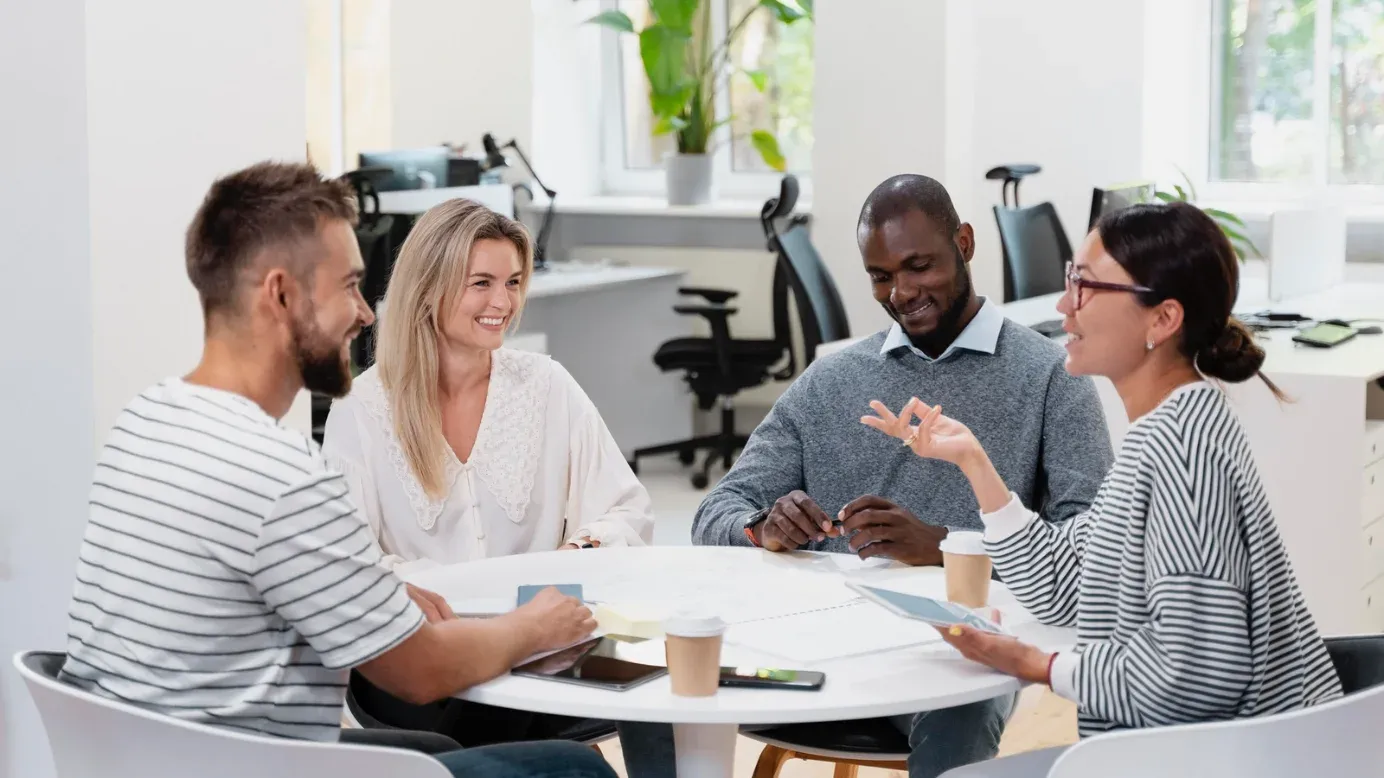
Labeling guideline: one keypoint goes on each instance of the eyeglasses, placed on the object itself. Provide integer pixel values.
(1078, 287)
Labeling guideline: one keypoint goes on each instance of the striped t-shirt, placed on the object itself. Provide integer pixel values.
(225, 577)
(1181, 590)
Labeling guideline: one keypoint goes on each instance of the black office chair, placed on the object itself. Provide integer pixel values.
(719, 367)
(1036, 250)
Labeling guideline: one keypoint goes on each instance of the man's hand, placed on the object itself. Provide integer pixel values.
(1001, 652)
(435, 608)
(881, 528)
(793, 522)
(555, 620)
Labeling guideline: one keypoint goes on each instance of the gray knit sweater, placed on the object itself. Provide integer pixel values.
(1043, 429)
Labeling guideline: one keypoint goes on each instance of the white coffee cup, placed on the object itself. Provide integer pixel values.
(967, 567)
(693, 652)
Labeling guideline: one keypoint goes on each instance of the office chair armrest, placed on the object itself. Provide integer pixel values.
(718, 296)
(718, 316)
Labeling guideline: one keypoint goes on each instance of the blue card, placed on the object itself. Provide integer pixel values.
(527, 593)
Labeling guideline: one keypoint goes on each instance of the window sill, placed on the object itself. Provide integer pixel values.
(615, 205)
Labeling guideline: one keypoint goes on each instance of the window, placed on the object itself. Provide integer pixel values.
(1298, 93)
(769, 87)
(348, 108)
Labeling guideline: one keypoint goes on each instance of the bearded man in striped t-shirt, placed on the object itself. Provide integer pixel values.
(225, 578)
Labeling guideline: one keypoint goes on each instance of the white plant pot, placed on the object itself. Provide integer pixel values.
(689, 179)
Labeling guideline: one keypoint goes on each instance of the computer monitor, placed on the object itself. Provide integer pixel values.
(413, 168)
(1113, 198)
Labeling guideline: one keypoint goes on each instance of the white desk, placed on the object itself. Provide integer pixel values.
(496, 197)
(603, 324)
(906, 680)
(1321, 456)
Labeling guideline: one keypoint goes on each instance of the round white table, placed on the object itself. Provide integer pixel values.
(742, 585)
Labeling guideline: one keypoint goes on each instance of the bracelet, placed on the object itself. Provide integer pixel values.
(1051, 661)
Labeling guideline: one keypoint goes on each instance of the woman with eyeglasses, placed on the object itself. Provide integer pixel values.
(1179, 585)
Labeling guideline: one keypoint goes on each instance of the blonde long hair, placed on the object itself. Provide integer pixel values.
(427, 279)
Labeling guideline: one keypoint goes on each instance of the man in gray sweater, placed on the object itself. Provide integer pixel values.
(813, 477)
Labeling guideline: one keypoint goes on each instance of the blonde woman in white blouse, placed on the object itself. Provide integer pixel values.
(457, 448)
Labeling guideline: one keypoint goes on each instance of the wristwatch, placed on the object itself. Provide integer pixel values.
(753, 521)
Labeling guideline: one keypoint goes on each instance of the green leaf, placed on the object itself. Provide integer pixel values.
(615, 20)
(806, 5)
(662, 50)
(669, 124)
(759, 78)
(1186, 179)
(1181, 193)
(784, 13)
(1220, 215)
(676, 14)
(1233, 234)
(768, 147)
(1167, 198)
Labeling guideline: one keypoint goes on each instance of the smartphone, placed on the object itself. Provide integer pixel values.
(938, 613)
(527, 593)
(598, 662)
(770, 678)
(1325, 335)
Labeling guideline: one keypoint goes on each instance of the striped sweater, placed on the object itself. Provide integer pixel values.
(1182, 593)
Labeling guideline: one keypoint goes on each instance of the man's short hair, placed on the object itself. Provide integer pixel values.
(265, 205)
(908, 192)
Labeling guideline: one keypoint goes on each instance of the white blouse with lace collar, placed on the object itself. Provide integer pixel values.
(544, 471)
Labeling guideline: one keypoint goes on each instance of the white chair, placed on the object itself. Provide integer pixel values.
(91, 736)
(1340, 739)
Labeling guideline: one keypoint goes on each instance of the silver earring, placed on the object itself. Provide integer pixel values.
(1148, 346)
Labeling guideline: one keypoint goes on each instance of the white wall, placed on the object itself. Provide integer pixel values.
(1056, 83)
(459, 69)
(45, 365)
(879, 109)
(158, 136)
(117, 119)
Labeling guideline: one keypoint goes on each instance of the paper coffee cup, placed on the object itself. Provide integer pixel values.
(693, 652)
(967, 568)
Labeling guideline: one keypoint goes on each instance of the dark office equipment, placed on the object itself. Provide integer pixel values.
(721, 366)
(495, 158)
(1036, 250)
(1114, 198)
(463, 171)
(412, 168)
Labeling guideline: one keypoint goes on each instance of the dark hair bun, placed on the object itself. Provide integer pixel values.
(1233, 357)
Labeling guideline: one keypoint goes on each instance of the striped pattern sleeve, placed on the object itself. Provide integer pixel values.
(1041, 564)
(316, 565)
(1192, 660)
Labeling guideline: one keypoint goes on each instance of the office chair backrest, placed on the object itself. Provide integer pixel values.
(801, 270)
(1036, 250)
(90, 735)
(1335, 738)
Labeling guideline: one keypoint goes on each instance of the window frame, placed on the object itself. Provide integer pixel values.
(618, 179)
(1205, 96)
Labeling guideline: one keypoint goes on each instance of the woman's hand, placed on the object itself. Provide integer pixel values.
(934, 437)
(1001, 652)
(582, 544)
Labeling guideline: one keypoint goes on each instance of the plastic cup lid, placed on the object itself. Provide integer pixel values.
(693, 625)
(963, 542)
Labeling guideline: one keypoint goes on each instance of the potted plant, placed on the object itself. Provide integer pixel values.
(685, 71)
(1230, 224)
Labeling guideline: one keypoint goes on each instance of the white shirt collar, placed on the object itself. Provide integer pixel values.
(982, 335)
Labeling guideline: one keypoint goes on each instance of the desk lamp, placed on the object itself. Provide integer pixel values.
(495, 158)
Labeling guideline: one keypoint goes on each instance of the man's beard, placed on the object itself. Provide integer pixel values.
(320, 362)
(945, 331)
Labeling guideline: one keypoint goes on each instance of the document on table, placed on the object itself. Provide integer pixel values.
(852, 629)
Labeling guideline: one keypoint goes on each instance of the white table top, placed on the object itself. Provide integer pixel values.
(906, 680)
(575, 277)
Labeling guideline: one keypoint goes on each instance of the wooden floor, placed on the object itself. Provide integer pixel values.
(1041, 720)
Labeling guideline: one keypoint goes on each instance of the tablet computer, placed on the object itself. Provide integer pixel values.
(596, 662)
(938, 613)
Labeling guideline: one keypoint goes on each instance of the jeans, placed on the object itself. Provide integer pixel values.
(939, 740)
(551, 759)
